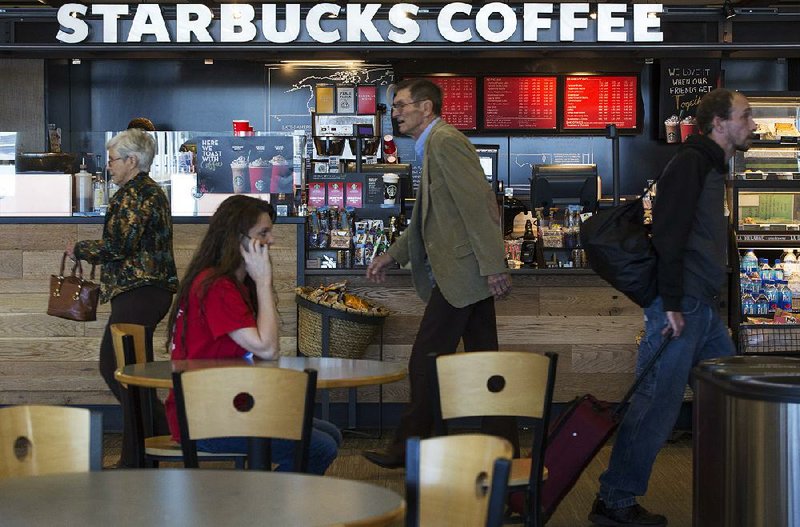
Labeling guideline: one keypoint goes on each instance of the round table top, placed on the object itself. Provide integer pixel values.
(331, 372)
(194, 497)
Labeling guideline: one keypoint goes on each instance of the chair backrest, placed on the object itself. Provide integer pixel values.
(494, 383)
(39, 440)
(142, 342)
(498, 383)
(462, 478)
(245, 401)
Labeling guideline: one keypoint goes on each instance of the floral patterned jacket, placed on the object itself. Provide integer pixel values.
(136, 249)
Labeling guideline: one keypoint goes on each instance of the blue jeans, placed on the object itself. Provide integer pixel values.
(325, 441)
(654, 407)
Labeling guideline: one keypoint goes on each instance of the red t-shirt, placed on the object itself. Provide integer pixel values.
(222, 311)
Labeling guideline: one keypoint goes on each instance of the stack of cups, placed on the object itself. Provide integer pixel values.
(389, 149)
(241, 127)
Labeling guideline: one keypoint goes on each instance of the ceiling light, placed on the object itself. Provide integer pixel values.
(75, 62)
(323, 63)
(208, 62)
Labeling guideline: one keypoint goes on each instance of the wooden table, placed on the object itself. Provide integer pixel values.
(197, 498)
(331, 373)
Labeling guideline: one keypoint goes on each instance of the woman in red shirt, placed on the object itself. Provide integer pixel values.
(226, 308)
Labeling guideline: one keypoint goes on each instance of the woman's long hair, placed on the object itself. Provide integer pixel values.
(220, 252)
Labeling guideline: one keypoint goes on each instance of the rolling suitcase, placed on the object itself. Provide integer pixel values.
(575, 438)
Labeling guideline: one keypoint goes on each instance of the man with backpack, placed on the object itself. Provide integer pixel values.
(690, 240)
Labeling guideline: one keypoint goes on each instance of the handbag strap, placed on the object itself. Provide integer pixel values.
(79, 268)
(63, 264)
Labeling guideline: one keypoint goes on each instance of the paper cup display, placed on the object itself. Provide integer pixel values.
(390, 188)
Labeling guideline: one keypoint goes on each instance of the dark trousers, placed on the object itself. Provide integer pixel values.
(145, 305)
(441, 328)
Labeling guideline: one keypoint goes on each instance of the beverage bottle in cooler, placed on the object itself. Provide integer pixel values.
(744, 283)
(755, 282)
(749, 262)
(772, 295)
(786, 296)
(748, 304)
(762, 304)
(764, 270)
(794, 287)
(777, 270)
(789, 263)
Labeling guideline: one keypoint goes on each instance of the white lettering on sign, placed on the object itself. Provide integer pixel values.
(445, 22)
(193, 19)
(532, 22)
(570, 21)
(77, 29)
(400, 18)
(313, 26)
(359, 22)
(509, 22)
(269, 23)
(238, 23)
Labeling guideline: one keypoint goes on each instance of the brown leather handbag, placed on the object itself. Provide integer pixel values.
(72, 297)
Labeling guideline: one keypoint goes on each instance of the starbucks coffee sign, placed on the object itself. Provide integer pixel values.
(329, 23)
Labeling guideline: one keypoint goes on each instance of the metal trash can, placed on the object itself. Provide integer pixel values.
(747, 442)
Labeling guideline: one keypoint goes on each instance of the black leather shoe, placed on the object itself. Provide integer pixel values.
(633, 516)
(385, 459)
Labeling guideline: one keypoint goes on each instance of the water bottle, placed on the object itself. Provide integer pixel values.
(762, 304)
(755, 282)
(772, 296)
(786, 296)
(794, 287)
(789, 263)
(749, 262)
(777, 270)
(764, 269)
(748, 304)
(744, 283)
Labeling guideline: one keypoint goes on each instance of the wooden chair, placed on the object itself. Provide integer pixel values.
(458, 480)
(133, 344)
(239, 401)
(500, 383)
(39, 440)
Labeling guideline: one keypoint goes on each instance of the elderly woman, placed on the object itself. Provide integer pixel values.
(139, 275)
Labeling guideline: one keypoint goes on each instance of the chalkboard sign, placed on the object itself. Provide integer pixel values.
(683, 84)
(256, 165)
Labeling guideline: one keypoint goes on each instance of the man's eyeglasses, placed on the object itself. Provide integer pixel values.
(401, 105)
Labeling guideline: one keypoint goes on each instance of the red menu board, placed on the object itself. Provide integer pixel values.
(459, 100)
(520, 103)
(593, 101)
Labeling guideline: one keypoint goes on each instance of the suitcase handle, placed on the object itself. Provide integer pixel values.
(645, 371)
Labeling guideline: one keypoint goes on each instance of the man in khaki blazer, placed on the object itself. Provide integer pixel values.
(454, 244)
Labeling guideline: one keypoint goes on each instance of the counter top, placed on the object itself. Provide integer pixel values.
(99, 220)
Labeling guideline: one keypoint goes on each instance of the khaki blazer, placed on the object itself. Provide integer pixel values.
(455, 222)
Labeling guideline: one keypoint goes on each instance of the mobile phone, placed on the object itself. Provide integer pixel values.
(245, 241)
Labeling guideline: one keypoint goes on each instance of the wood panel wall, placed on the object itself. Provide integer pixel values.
(587, 323)
(48, 360)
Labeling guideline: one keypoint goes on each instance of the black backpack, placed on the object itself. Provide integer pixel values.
(618, 248)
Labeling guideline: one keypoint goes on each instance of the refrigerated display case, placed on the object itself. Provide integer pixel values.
(764, 203)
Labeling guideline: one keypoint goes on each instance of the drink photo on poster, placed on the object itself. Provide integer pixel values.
(252, 164)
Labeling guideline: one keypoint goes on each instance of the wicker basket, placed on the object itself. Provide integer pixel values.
(348, 338)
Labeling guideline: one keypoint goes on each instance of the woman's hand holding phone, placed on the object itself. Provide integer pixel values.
(257, 261)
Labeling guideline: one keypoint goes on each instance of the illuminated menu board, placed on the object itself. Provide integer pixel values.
(519, 103)
(593, 101)
(459, 100)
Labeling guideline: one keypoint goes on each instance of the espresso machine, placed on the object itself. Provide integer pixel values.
(338, 137)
